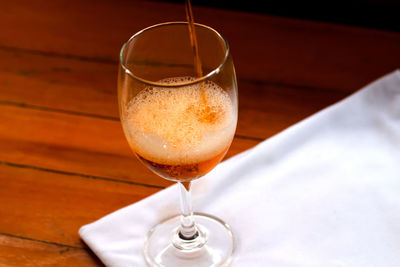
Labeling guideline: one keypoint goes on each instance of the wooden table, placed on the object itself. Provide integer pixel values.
(64, 161)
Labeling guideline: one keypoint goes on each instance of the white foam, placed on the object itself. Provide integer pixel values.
(170, 126)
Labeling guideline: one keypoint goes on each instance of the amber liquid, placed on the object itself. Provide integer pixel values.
(195, 48)
(193, 38)
(184, 172)
(169, 133)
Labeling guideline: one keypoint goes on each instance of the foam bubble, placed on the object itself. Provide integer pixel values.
(180, 125)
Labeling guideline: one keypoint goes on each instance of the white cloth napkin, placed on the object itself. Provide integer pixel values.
(324, 192)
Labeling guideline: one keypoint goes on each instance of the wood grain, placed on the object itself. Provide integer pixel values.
(52, 207)
(76, 144)
(17, 251)
(278, 50)
(89, 88)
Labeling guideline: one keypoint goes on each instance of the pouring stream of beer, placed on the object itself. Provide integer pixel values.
(195, 47)
(198, 69)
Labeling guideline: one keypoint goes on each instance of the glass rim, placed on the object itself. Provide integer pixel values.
(191, 82)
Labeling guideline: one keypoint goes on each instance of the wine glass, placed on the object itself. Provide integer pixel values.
(180, 126)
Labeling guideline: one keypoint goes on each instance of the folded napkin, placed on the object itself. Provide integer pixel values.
(324, 192)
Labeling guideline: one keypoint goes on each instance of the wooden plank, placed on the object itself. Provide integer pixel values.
(52, 207)
(90, 88)
(19, 252)
(76, 144)
(59, 83)
(265, 109)
(265, 48)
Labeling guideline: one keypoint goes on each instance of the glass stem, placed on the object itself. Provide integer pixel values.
(188, 230)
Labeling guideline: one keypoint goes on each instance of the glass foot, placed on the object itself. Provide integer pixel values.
(214, 245)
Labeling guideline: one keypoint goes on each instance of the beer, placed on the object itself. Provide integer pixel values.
(183, 172)
(193, 38)
(175, 134)
(195, 47)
